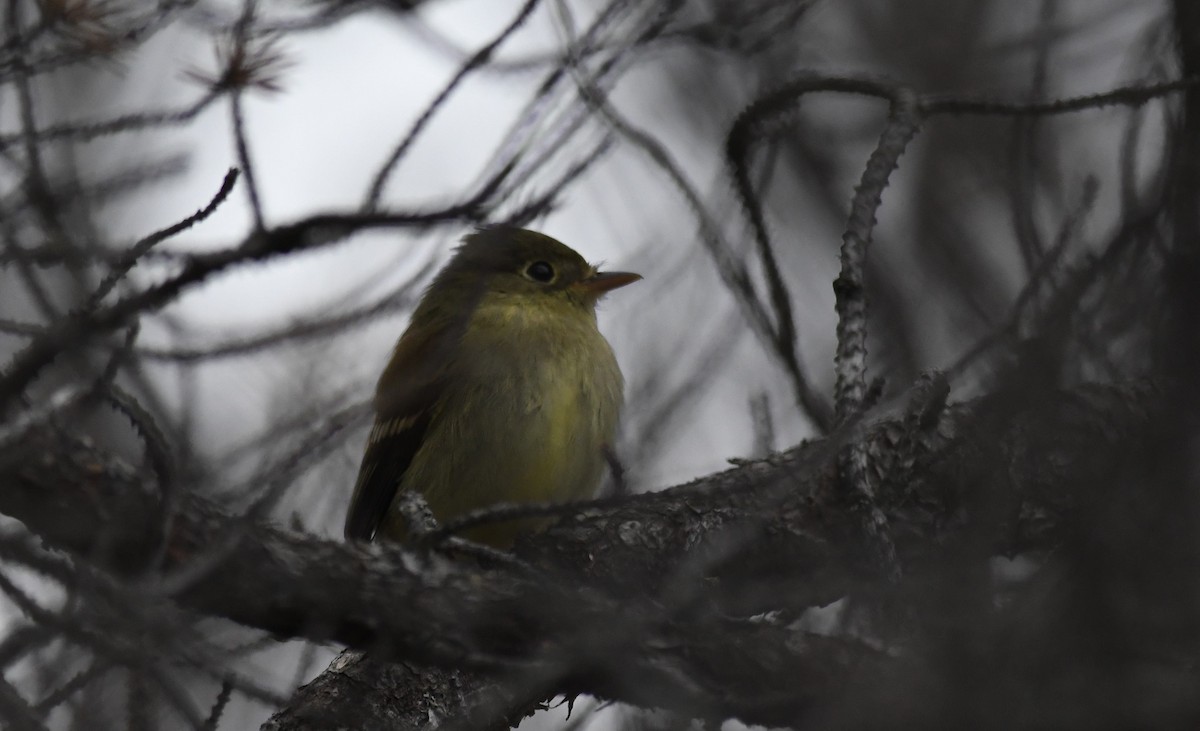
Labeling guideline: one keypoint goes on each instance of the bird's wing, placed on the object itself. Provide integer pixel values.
(404, 403)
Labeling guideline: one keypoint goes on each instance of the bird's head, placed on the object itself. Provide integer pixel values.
(515, 262)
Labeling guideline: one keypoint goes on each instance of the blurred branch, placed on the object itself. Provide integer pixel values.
(299, 330)
(1126, 96)
(310, 233)
(480, 58)
(16, 711)
(907, 111)
(83, 131)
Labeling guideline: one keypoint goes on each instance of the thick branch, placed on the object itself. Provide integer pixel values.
(551, 631)
(620, 604)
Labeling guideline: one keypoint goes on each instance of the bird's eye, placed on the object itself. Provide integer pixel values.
(540, 271)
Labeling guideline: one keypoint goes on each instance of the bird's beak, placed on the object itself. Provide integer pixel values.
(602, 282)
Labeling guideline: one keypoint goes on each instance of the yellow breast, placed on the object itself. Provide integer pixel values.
(526, 419)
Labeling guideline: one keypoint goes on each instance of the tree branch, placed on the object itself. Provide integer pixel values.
(621, 604)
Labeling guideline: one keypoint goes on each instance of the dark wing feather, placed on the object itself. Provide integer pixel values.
(404, 401)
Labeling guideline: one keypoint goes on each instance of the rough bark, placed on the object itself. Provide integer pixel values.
(641, 599)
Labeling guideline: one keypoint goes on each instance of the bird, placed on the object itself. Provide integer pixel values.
(501, 390)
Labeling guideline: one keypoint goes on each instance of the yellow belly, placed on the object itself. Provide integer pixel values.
(515, 431)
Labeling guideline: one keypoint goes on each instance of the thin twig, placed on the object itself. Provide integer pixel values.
(218, 708)
(310, 233)
(480, 58)
(1127, 96)
(850, 363)
(84, 131)
(301, 330)
(141, 248)
(738, 147)
(96, 670)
